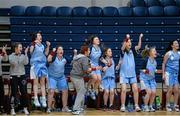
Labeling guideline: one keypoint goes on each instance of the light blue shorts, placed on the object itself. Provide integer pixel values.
(172, 79)
(59, 83)
(149, 84)
(108, 83)
(128, 80)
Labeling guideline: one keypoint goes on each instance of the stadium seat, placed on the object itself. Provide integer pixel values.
(48, 11)
(171, 11)
(64, 11)
(33, 11)
(125, 11)
(79, 11)
(156, 11)
(140, 11)
(135, 3)
(17, 10)
(178, 3)
(110, 11)
(152, 3)
(167, 2)
(94, 11)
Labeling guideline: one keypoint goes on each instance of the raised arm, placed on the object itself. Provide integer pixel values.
(47, 48)
(139, 42)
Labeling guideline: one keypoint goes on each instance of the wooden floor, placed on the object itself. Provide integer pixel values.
(89, 112)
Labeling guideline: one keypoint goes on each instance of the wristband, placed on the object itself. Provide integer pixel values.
(146, 71)
(52, 53)
(93, 69)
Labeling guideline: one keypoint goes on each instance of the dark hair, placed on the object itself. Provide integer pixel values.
(84, 49)
(34, 35)
(15, 45)
(105, 51)
(146, 51)
(89, 40)
(170, 45)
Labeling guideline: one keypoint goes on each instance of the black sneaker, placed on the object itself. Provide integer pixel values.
(105, 108)
(111, 108)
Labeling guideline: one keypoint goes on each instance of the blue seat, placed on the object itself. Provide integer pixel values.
(79, 11)
(152, 3)
(17, 10)
(48, 11)
(33, 11)
(94, 11)
(178, 3)
(64, 11)
(156, 11)
(135, 3)
(171, 11)
(167, 2)
(140, 11)
(110, 11)
(5, 11)
(125, 11)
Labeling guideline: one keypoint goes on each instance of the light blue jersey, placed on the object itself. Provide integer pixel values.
(151, 66)
(110, 72)
(172, 64)
(38, 61)
(56, 69)
(127, 69)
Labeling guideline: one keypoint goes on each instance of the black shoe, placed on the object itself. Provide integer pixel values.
(111, 108)
(105, 108)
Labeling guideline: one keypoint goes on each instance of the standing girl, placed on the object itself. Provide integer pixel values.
(3, 57)
(80, 68)
(127, 70)
(57, 78)
(108, 79)
(17, 62)
(38, 67)
(170, 68)
(147, 77)
(95, 54)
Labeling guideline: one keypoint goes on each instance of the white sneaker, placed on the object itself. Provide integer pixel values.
(82, 109)
(123, 109)
(13, 112)
(77, 112)
(176, 108)
(168, 108)
(26, 111)
(43, 102)
(151, 109)
(36, 102)
(48, 110)
(137, 108)
(146, 108)
(66, 109)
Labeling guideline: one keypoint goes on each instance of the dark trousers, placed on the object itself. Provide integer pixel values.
(20, 82)
(1, 92)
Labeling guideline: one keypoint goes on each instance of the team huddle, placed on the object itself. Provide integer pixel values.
(94, 61)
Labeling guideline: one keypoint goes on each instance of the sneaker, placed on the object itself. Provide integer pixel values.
(26, 111)
(168, 108)
(151, 109)
(93, 94)
(76, 112)
(13, 112)
(43, 102)
(137, 108)
(105, 108)
(82, 109)
(111, 107)
(123, 109)
(36, 102)
(48, 110)
(176, 108)
(146, 108)
(66, 109)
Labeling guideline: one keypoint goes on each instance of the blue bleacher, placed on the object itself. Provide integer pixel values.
(71, 26)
